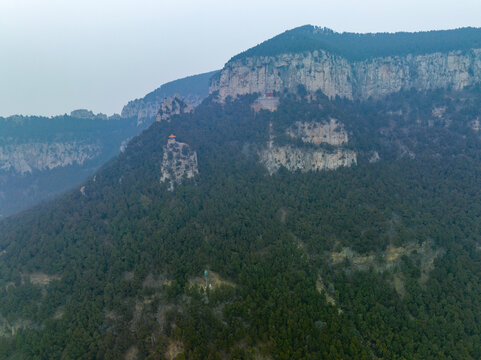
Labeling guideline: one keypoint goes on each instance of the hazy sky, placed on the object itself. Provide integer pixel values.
(61, 55)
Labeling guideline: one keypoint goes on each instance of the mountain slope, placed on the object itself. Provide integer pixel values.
(346, 263)
(315, 227)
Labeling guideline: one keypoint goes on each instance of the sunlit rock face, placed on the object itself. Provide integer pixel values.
(334, 75)
(179, 162)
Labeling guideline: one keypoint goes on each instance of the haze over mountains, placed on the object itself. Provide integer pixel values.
(323, 201)
(41, 157)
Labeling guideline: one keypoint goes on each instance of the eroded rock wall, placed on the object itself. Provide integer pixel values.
(337, 76)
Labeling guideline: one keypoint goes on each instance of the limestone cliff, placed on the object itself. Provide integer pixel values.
(332, 132)
(293, 158)
(179, 162)
(192, 89)
(30, 157)
(335, 75)
(174, 105)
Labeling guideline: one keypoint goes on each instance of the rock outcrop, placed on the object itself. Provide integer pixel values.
(179, 162)
(174, 105)
(334, 75)
(30, 157)
(192, 89)
(316, 133)
(293, 158)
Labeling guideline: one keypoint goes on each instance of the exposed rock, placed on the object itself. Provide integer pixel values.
(26, 158)
(174, 349)
(294, 159)
(334, 75)
(11, 328)
(141, 110)
(41, 279)
(331, 132)
(173, 106)
(439, 111)
(179, 162)
(320, 287)
(476, 125)
(391, 258)
(266, 103)
(374, 158)
(309, 159)
(193, 89)
(214, 280)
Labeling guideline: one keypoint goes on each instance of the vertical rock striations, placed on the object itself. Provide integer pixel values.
(334, 75)
(173, 106)
(310, 158)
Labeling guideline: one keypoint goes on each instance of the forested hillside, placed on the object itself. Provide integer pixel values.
(356, 47)
(378, 260)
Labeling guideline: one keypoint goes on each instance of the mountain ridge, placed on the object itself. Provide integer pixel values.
(385, 63)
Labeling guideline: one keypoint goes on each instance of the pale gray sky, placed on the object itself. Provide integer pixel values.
(60, 55)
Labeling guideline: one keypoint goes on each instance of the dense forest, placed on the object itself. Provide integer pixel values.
(358, 47)
(378, 260)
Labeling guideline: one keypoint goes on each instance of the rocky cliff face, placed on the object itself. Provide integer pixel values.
(192, 89)
(173, 106)
(179, 162)
(337, 76)
(293, 158)
(30, 157)
(140, 110)
(332, 132)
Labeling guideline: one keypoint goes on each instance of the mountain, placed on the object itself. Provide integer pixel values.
(354, 66)
(283, 226)
(192, 89)
(41, 157)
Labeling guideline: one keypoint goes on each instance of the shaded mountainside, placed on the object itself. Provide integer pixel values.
(41, 157)
(379, 259)
(354, 66)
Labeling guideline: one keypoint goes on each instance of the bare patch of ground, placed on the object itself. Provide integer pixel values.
(155, 282)
(424, 254)
(174, 349)
(132, 353)
(213, 281)
(321, 287)
(40, 278)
